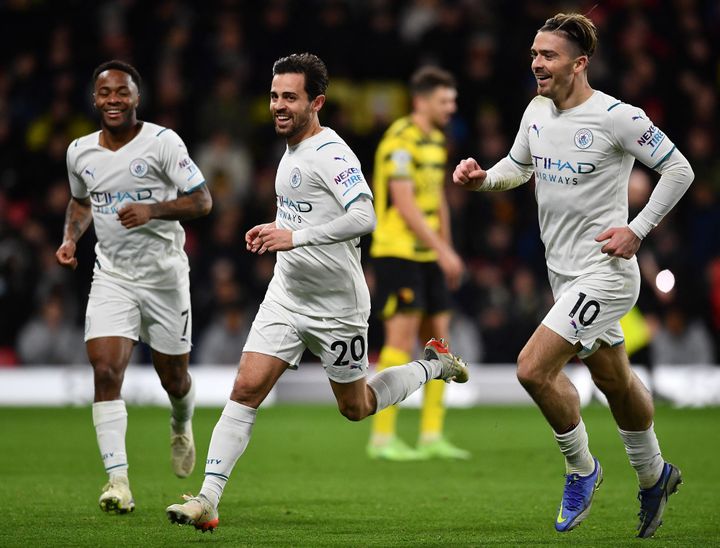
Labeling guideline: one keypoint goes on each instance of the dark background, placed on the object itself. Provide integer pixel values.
(207, 69)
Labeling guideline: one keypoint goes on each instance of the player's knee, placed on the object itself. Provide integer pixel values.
(246, 396)
(353, 411)
(528, 371)
(107, 374)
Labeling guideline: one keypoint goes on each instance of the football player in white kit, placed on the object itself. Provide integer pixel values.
(581, 144)
(135, 181)
(318, 298)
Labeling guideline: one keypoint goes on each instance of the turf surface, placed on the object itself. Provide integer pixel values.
(305, 481)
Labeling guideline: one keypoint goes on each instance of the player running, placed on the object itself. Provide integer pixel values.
(135, 180)
(317, 298)
(581, 144)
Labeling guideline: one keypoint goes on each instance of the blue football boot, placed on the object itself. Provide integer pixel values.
(653, 500)
(577, 498)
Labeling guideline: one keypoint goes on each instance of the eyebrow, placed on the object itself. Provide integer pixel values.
(542, 51)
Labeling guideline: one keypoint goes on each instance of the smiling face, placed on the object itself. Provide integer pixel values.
(558, 67)
(116, 99)
(294, 114)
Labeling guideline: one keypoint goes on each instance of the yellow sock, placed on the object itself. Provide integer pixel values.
(384, 422)
(432, 415)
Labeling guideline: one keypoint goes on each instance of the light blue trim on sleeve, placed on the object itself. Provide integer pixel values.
(518, 163)
(358, 197)
(664, 157)
(615, 105)
(194, 188)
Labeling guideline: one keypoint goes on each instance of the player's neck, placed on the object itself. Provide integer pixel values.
(313, 129)
(422, 121)
(576, 96)
(117, 138)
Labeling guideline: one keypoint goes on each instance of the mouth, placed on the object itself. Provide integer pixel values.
(282, 119)
(542, 77)
(113, 113)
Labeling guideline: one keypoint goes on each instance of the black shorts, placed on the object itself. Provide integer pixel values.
(409, 286)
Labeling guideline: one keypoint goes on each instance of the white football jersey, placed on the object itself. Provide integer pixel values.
(582, 158)
(151, 168)
(316, 181)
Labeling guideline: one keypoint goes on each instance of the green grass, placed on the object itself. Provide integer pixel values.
(305, 481)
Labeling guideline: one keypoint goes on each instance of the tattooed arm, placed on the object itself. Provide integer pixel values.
(186, 206)
(78, 217)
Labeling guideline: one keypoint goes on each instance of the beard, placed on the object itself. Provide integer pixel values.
(296, 124)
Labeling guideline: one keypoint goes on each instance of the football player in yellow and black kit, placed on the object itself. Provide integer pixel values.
(413, 257)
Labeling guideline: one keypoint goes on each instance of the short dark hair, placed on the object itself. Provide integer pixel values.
(314, 69)
(425, 79)
(122, 66)
(577, 28)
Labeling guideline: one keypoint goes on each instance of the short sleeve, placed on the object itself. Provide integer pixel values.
(78, 188)
(179, 168)
(636, 134)
(398, 161)
(340, 171)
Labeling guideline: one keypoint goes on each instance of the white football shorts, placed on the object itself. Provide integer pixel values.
(588, 307)
(340, 343)
(162, 318)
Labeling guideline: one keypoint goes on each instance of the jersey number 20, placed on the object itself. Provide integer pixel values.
(357, 350)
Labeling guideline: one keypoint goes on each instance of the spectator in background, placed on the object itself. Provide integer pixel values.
(227, 164)
(224, 339)
(49, 52)
(681, 340)
(50, 338)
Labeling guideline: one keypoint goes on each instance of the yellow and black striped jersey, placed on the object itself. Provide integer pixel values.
(405, 152)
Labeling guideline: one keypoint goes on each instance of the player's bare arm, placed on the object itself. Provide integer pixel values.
(469, 175)
(78, 217)
(192, 205)
(402, 196)
(621, 242)
(453, 274)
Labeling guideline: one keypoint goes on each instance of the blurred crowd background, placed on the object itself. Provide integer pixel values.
(207, 69)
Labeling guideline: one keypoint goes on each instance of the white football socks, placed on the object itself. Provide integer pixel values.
(110, 420)
(394, 384)
(182, 410)
(229, 440)
(643, 450)
(574, 446)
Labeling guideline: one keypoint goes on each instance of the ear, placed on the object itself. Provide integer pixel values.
(318, 103)
(581, 63)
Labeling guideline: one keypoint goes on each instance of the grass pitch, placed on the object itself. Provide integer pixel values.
(305, 481)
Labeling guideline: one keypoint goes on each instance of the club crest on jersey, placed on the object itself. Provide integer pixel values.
(295, 177)
(139, 167)
(583, 138)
